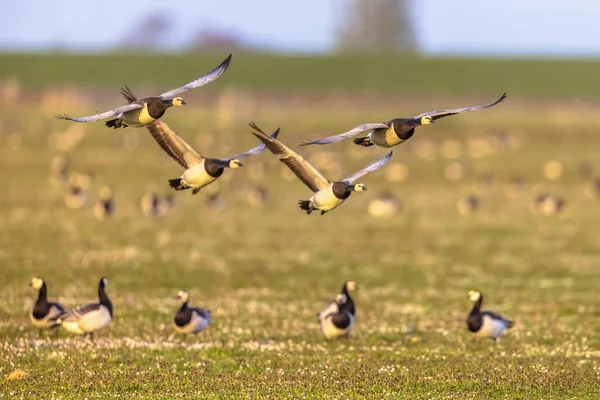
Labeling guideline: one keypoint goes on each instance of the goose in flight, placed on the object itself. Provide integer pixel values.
(327, 195)
(398, 130)
(199, 171)
(144, 111)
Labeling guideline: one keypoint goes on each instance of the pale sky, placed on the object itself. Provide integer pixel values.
(538, 27)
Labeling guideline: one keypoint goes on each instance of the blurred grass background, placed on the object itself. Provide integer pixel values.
(378, 73)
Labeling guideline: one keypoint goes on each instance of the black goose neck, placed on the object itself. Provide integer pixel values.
(477, 305)
(42, 294)
(104, 300)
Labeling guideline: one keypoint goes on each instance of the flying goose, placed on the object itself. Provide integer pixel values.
(199, 171)
(397, 130)
(485, 323)
(338, 322)
(190, 319)
(43, 313)
(347, 288)
(328, 195)
(144, 111)
(91, 317)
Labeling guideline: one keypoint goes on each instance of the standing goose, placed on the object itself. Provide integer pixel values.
(44, 313)
(91, 317)
(398, 130)
(144, 111)
(347, 288)
(339, 322)
(485, 323)
(328, 195)
(190, 319)
(199, 171)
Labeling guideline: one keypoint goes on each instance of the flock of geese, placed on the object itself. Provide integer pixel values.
(338, 316)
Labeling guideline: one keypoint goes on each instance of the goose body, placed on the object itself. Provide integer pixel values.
(327, 195)
(190, 319)
(43, 313)
(485, 324)
(338, 323)
(89, 318)
(141, 112)
(396, 131)
(199, 171)
(347, 288)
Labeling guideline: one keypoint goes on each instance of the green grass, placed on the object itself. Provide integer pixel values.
(266, 270)
(385, 73)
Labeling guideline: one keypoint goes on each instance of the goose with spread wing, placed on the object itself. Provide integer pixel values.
(398, 130)
(199, 171)
(327, 195)
(144, 111)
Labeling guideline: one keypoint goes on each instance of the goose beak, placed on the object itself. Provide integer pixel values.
(183, 103)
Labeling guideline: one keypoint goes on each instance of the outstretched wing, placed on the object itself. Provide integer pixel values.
(203, 80)
(104, 115)
(351, 133)
(375, 166)
(173, 144)
(298, 165)
(255, 150)
(128, 94)
(437, 114)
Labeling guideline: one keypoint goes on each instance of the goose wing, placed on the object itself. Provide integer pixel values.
(330, 308)
(203, 80)
(173, 144)
(77, 313)
(437, 114)
(104, 115)
(497, 317)
(351, 133)
(255, 150)
(202, 312)
(375, 166)
(298, 165)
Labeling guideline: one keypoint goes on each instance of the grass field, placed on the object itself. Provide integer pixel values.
(265, 269)
(384, 73)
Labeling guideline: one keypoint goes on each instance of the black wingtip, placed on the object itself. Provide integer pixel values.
(275, 134)
(307, 142)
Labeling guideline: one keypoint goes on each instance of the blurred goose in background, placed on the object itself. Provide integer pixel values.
(485, 324)
(105, 207)
(328, 195)
(76, 196)
(468, 205)
(190, 319)
(593, 188)
(347, 288)
(398, 130)
(547, 204)
(59, 170)
(199, 171)
(89, 318)
(586, 169)
(339, 322)
(43, 313)
(514, 187)
(144, 111)
(385, 206)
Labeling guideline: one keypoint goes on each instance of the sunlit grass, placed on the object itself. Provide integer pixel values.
(264, 270)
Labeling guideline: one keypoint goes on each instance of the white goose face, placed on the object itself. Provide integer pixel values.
(235, 163)
(341, 298)
(360, 187)
(183, 296)
(105, 282)
(351, 286)
(36, 283)
(474, 295)
(426, 120)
